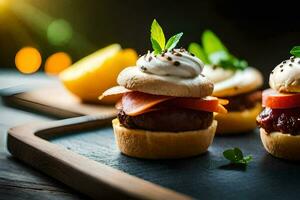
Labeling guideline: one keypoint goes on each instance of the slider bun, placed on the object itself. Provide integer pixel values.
(286, 76)
(134, 79)
(162, 145)
(237, 122)
(241, 82)
(281, 145)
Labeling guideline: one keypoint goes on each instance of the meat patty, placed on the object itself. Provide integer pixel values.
(168, 119)
(243, 101)
(282, 120)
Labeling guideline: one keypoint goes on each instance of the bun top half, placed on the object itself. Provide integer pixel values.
(133, 78)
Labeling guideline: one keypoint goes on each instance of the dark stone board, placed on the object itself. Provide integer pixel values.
(207, 176)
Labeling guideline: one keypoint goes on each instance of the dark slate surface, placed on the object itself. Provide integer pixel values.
(204, 177)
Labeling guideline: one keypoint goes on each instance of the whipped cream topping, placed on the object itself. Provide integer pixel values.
(286, 76)
(178, 63)
(242, 81)
(230, 83)
(217, 74)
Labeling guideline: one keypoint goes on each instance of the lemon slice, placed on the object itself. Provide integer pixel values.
(91, 76)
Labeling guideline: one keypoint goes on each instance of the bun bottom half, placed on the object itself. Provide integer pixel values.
(237, 122)
(281, 145)
(162, 145)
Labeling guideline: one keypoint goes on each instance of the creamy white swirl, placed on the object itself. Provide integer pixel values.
(217, 74)
(178, 62)
(286, 76)
(230, 83)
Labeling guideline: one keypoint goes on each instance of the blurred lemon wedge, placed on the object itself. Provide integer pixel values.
(92, 75)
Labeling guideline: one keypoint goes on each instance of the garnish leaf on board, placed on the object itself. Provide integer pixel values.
(197, 50)
(158, 40)
(216, 53)
(236, 156)
(295, 51)
(173, 41)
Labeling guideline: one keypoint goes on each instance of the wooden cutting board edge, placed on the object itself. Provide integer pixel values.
(87, 176)
(16, 102)
(61, 104)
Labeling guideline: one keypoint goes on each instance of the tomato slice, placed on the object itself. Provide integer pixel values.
(136, 103)
(273, 99)
(209, 104)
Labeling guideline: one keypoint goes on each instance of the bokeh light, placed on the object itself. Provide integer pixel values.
(57, 62)
(28, 60)
(59, 32)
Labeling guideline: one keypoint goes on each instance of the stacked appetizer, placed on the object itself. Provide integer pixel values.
(165, 110)
(233, 80)
(280, 120)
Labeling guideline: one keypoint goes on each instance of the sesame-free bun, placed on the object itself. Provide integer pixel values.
(133, 78)
(237, 122)
(162, 145)
(281, 145)
(286, 76)
(242, 81)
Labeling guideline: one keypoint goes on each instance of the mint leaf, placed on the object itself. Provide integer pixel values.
(236, 156)
(156, 47)
(157, 34)
(158, 40)
(197, 50)
(233, 63)
(248, 158)
(218, 54)
(229, 155)
(240, 64)
(173, 41)
(211, 43)
(295, 51)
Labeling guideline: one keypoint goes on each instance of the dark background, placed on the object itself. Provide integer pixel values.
(262, 32)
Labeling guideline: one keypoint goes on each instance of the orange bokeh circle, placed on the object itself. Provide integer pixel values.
(28, 60)
(57, 62)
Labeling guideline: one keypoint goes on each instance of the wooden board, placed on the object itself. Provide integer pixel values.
(95, 179)
(53, 100)
(81, 154)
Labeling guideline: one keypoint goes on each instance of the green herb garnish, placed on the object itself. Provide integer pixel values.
(215, 53)
(158, 39)
(213, 45)
(197, 50)
(295, 51)
(236, 156)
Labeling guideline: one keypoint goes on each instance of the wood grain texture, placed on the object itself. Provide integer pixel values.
(53, 100)
(90, 177)
(18, 181)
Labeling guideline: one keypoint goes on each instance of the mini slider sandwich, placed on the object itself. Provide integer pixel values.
(280, 120)
(233, 80)
(165, 110)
